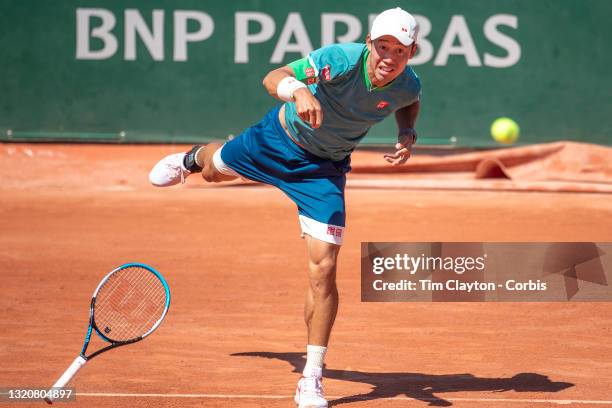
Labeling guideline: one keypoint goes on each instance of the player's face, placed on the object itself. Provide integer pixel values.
(388, 59)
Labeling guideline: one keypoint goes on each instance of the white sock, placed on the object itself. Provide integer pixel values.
(314, 361)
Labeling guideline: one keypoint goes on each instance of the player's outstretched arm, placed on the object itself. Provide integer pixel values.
(406, 119)
(282, 84)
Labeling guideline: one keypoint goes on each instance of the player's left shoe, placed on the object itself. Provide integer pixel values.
(309, 393)
(171, 169)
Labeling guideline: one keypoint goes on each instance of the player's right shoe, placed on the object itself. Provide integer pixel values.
(309, 393)
(171, 169)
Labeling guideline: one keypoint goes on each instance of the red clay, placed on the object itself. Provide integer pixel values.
(236, 267)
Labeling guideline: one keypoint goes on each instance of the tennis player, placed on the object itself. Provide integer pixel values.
(331, 99)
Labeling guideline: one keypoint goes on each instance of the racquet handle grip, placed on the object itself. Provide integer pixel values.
(67, 376)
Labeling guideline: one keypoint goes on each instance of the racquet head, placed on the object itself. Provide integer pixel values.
(129, 303)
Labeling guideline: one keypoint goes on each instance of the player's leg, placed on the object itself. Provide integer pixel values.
(322, 295)
(255, 154)
(320, 311)
(173, 169)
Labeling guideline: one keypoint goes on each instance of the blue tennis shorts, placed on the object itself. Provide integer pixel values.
(265, 153)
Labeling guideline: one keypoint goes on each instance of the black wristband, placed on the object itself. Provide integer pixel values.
(409, 130)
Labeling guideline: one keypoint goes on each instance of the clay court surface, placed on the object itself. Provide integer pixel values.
(232, 255)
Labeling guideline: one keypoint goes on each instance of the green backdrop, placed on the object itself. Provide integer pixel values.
(558, 88)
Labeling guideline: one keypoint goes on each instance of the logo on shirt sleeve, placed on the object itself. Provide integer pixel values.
(326, 73)
(310, 75)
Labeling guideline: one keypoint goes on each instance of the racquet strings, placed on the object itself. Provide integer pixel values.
(129, 304)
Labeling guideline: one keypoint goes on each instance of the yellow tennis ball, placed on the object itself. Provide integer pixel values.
(505, 130)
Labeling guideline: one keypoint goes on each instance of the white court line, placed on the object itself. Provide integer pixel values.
(280, 397)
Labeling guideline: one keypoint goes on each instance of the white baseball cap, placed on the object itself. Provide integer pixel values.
(397, 23)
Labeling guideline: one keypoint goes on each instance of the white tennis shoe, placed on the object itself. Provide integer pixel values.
(169, 171)
(309, 393)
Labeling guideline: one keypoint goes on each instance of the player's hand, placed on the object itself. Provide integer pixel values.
(308, 107)
(403, 150)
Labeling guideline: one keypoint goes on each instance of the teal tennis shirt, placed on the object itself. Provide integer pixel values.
(336, 75)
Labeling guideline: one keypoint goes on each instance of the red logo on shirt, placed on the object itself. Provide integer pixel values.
(382, 105)
(338, 232)
(331, 230)
(326, 73)
(310, 81)
(310, 72)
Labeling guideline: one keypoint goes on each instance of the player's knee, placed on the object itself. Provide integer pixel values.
(323, 276)
(210, 173)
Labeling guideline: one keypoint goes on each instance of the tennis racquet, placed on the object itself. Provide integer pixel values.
(127, 306)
